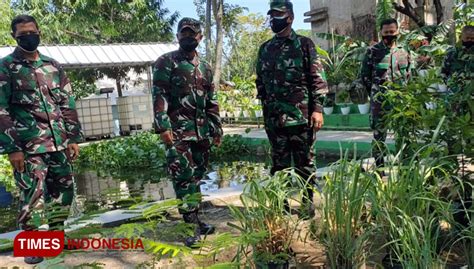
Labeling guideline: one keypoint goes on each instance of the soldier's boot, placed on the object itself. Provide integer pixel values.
(379, 165)
(200, 228)
(307, 209)
(206, 229)
(192, 218)
(33, 260)
(286, 205)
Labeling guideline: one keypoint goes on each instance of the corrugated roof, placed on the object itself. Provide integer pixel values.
(93, 56)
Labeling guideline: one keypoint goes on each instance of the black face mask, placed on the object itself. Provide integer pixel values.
(468, 44)
(28, 42)
(279, 24)
(389, 39)
(188, 44)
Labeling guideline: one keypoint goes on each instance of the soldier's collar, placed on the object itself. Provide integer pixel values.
(292, 36)
(467, 50)
(185, 55)
(398, 46)
(18, 57)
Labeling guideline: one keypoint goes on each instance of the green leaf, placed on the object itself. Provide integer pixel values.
(322, 52)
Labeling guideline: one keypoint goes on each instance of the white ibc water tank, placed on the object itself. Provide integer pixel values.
(96, 117)
(135, 113)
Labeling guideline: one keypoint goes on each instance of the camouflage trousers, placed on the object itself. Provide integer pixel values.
(379, 130)
(378, 143)
(293, 145)
(46, 190)
(187, 165)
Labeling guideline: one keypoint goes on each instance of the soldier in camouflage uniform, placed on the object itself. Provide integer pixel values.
(385, 61)
(39, 128)
(291, 85)
(187, 117)
(458, 73)
(459, 62)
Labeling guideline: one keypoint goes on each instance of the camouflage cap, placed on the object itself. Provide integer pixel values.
(280, 5)
(190, 23)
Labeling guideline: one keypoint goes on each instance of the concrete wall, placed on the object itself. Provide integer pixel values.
(362, 7)
(357, 17)
(430, 11)
(339, 19)
(341, 15)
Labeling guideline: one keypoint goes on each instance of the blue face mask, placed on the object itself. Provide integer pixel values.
(279, 24)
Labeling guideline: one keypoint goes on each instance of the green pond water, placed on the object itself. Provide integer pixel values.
(99, 191)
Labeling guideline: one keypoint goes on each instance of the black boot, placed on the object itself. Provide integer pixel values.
(287, 206)
(33, 260)
(201, 228)
(206, 229)
(192, 218)
(191, 241)
(307, 209)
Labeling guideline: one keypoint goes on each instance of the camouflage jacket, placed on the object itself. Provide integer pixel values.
(458, 65)
(290, 80)
(37, 110)
(184, 99)
(382, 64)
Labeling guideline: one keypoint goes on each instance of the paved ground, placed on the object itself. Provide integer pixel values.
(329, 136)
(308, 253)
(326, 136)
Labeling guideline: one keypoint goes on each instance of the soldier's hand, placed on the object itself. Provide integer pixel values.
(317, 121)
(72, 151)
(423, 59)
(17, 159)
(217, 140)
(167, 137)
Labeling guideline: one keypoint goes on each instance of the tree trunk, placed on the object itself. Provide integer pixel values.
(119, 87)
(420, 10)
(208, 39)
(218, 8)
(439, 11)
(408, 10)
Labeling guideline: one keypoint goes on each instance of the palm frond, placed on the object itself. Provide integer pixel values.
(223, 266)
(331, 37)
(161, 249)
(384, 10)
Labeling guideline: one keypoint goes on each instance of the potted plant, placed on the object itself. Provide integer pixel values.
(409, 209)
(341, 63)
(346, 229)
(343, 98)
(257, 109)
(259, 112)
(266, 225)
(7, 182)
(328, 104)
(364, 108)
(223, 99)
(359, 96)
(246, 105)
(222, 113)
(237, 112)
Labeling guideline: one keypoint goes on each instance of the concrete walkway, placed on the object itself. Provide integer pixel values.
(332, 136)
(326, 141)
(323, 136)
